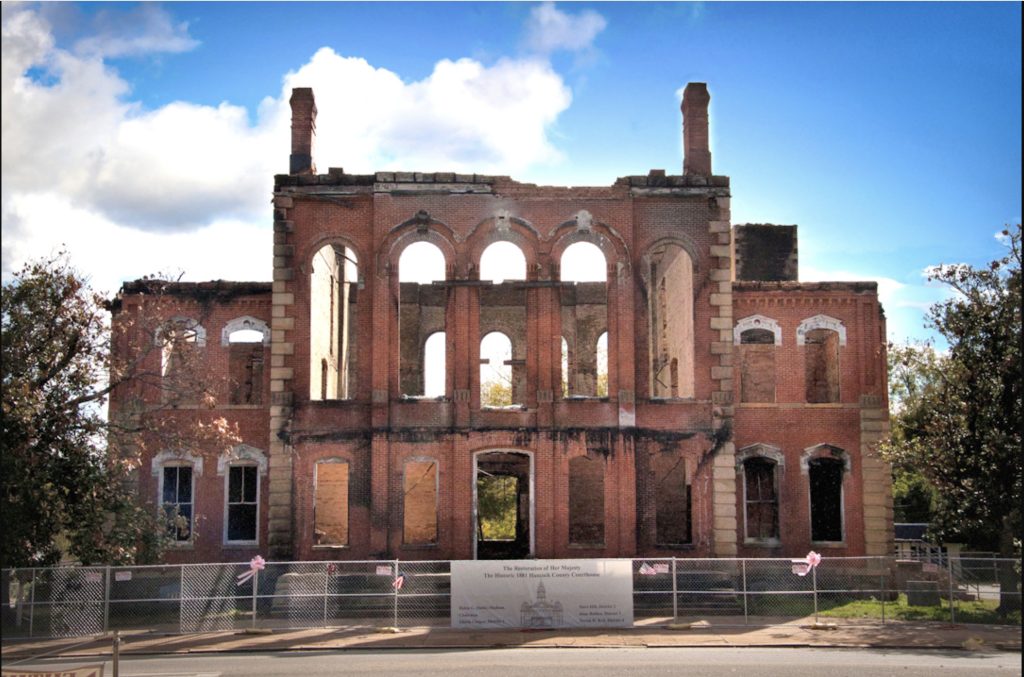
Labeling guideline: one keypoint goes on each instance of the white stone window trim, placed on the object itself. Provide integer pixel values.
(824, 450)
(187, 323)
(774, 454)
(820, 322)
(242, 454)
(757, 322)
(244, 323)
(177, 458)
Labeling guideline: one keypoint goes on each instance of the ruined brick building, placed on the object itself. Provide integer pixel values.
(692, 398)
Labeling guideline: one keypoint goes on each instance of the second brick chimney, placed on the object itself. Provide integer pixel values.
(696, 144)
(303, 131)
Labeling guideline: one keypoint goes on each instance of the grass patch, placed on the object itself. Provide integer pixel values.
(976, 611)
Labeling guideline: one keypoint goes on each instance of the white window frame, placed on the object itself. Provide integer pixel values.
(228, 503)
(160, 494)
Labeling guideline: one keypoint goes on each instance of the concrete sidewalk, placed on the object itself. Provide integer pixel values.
(723, 632)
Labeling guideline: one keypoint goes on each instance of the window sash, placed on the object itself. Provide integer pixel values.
(241, 519)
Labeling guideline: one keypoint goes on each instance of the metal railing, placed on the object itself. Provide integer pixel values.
(79, 601)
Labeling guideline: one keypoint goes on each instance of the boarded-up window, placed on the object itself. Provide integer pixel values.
(757, 366)
(762, 499)
(821, 359)
(419, 492)
(826, 480)
(330, 509)
(672, 499)
(245, 369)
(586, 501)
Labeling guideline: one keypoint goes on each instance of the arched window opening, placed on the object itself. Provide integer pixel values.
(333, 284)
(584, 306)
(501, 262)
(586, 500)
(565, 368)
(761, 499)
(245, 366)
(434, 373)
(419, 502)
(670, 314)
(601, 359)
(821, 365)
(826, 487)
(330, 502)
(184, 376)
(421, 321)
(757, 365)
(496, 384)
(671, 498)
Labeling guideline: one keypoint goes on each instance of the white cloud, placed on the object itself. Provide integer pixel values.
(84, 164)
(549, 29)
(144, 30)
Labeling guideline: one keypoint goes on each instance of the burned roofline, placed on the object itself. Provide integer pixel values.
(219, 290)
(857, 287)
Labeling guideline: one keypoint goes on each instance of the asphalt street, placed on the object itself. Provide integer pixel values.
(691, 662)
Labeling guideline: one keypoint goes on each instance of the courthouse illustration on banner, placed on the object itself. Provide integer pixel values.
(562, 593)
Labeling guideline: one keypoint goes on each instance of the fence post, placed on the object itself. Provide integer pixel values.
(675, 592)
(814, 582)
(181, 598)
(32, 603)
(881, 584)
(106, 603)
(255, 586)
(327, 583)
(952, 602)
(746, 614)
(394, 585)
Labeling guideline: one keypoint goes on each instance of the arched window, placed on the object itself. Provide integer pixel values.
(333, 284)
(502, 261)
(421, 320)
(760, 499)
(822, 336)
(601, 360)
(176, 472)
(496, 385)
(246, 339)
(670, 314)
(757, 365)
(584, 304)
(565, 368)
(184, 376)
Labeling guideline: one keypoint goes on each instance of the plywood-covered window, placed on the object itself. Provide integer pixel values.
(586, 500)
(761, 499)
(672, 499)
(330, 503)
(419, 502)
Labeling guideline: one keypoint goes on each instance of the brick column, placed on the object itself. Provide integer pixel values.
(280, 494)
(877, 474)
(724, 468)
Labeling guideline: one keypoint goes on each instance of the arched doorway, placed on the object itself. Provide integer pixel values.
(503, 505)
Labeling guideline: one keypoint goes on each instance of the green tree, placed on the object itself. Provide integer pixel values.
(67, 471)
(961, 425)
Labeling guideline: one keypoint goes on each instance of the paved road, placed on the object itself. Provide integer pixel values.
(688, 662)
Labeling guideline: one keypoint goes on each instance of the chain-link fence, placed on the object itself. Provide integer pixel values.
(76, 601)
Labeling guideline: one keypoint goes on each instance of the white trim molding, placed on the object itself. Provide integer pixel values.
(820, 322)
(760, 450)
(757, 322)
(242, 454)
(244, 323)
(183, 322)
(177, 457)
(824, 450)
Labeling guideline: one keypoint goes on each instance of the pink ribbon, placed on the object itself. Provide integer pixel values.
(813, 559)
(257, 563)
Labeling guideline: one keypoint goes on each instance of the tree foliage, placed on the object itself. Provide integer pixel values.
(957, 416)
(67, 471)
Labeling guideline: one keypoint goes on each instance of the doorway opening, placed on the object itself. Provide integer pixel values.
(503, 505)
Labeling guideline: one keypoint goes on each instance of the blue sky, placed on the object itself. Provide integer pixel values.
(890, 133)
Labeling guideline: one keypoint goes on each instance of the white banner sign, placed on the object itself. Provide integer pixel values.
(545, 593)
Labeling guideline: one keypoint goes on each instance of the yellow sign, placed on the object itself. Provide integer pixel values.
(80, 671)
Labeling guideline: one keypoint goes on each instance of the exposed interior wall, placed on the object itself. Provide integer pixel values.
(421, 313)
(584, 319)
(671, 323)
(672, 498)
(821, 366)
(325, 274)
(245, 373)
(586, 500)
(757, 366)
(503, 309)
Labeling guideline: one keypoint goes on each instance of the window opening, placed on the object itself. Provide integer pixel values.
(672, 499)
(242, 503)
(670, 314)
(821, 355)
(180, 366)
(826, 485)
(176, 501)
(419, 526)
(496, 384)
(757, 365)
(584, 306)
(565, 367)
(497, 509)
(245, 367)
(502, 314)
(421, 321)
(330, 503)
(601, 359)
(586, 501)
(502, 505)
(761, 498)
(334, 283)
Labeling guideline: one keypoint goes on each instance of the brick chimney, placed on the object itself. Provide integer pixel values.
(696, 145)
(303, 131)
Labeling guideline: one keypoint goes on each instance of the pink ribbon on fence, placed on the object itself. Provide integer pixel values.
(257, 563)
(807, 564)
